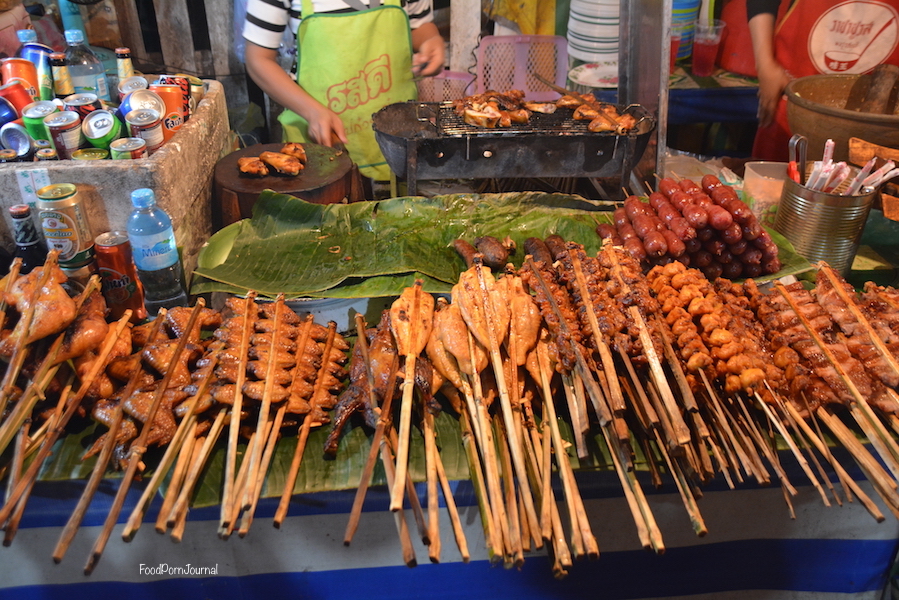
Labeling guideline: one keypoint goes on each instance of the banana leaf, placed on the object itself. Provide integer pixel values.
(369, 249)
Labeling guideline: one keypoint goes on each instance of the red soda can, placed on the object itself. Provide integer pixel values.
(64, 128)
(17, 94)
(184, 83)
(82, 103)
(146, 124)
(118, 276)
(173, 116)
(24, 69)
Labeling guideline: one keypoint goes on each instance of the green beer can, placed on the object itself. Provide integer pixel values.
(101, 128)
(33, 118)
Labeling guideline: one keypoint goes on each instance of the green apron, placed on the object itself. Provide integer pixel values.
(354, 63)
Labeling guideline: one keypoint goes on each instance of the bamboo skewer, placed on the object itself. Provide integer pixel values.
(138, 446)
(492, 537)
(410, 343)
(302, 437)
(262, 470)
(189, 451)
(249, 316)
(516, 545)
(71, 405)
(431, 459)
(809, 450)
(452, 509)
(399, 517)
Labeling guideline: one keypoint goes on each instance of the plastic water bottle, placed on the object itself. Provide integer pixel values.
(155, 253)
(26, 36)
(88, 74)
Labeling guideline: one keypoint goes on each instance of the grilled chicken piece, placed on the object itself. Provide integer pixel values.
(295, 150)
(585, 112)
(53, 311)
(486, 116)
(177, 317)
(521, 115)
(282, 163)
(569, 102)
(87, 331)
(251, 165)
(547, 108)
(160, 354)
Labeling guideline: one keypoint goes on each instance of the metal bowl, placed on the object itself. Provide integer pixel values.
(821, 107)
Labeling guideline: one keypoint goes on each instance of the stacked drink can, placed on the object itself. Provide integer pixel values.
(42, 119)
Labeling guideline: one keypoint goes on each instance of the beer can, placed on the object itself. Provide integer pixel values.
(128, 148)
(33, 117)
(173, 116)
(100, 128)
(118, 276)
(184, 84)
(8, 156)
(15, 137)
(24, 70)
(197, 90)
(90, 154)
(17, 94)
(64, 222)
(131, 84)
(39, 54)
(147, 124)
(83, 103)
(64, 129)
(124, 68)
(46, 154)
(62, 79)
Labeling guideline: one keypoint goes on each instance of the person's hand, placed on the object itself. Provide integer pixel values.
(325, 127)
(430, 57)
(773, 79)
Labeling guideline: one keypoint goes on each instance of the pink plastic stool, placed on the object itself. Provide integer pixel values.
(507, 62)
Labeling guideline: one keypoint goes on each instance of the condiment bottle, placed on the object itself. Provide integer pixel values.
(30, 244)
(155, 253)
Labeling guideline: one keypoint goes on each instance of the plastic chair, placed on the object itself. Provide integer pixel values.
(447, 85)
(507, 62)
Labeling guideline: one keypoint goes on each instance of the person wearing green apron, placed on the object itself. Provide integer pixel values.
(352, 60)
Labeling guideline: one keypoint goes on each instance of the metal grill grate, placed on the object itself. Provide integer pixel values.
(450, 124)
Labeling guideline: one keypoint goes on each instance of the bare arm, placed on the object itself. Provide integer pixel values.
(773, 78)
(429, 49)
(325, 127)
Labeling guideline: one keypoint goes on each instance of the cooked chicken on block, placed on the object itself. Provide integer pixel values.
(282, 163)
(296, 150)
(251, 165)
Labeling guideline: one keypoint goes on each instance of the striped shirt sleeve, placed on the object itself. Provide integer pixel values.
(265, 22)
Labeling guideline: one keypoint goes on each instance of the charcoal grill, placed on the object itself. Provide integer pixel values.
(428, 140)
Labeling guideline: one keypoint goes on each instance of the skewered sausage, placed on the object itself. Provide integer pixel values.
(538, 250)
(719, 218)
(466, 251)
(556, 245)
(675, 245)
(732, 234)
(496, 255)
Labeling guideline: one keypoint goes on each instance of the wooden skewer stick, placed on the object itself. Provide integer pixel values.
(808, 449)
(178, 440)
(71, 406)
(431, 459)
(228, 497)
(189, 452)
(410, 343)
(819, 443)
(262, 469)
(254, 453)
(492, 538)
(512, 507)
(383, 422)
(196, 466)
(453, 511)
(138, 446)
(868, 464)
(399, 517)
(240, 483)
(302, 437)
(18, 459)
(577, 412)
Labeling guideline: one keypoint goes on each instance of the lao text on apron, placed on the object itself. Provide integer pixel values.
(354, 63)
(827, 37)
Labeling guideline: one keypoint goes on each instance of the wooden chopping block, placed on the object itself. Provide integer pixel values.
(330, 177)
(877, 97)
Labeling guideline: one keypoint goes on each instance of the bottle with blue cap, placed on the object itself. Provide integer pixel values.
(155, 253)
(88, 74)
(26, 36)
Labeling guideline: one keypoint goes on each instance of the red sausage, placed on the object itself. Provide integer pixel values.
(733, 233)
(705, 234)
(620, 217)
(635, 247)
(668, 186)
(719, 218)
(689, 186)
(710, 182)
(751, 270)
(762, 239)
(696, 216)
(626, 232)
(771, 266)
(643, 225)
(740, 210)
(732, 270)
(684, 259)
(634, 207)
(715, 246)
(726, 257)
(655, 244)
(739, 248)
(680, 199)
(752, 230)
(701, 259)
(657, 199)
(752, 256)
(722, 194)
(608, 231)
(693, 245)
(713, 271)
(676, 247)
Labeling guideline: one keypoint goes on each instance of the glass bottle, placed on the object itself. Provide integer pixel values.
(30, 244)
